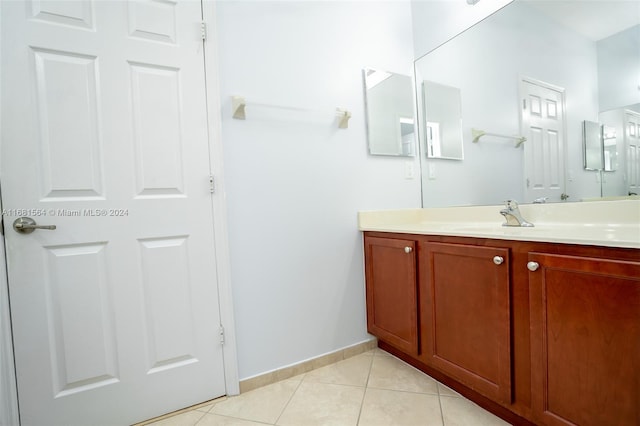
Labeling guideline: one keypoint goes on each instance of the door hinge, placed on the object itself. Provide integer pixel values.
(221, 334)
(203, 30)
(212, 185)
(524, 104)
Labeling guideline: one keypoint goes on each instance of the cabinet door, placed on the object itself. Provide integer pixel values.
(392, 303)
(465, 317)
(585, 340)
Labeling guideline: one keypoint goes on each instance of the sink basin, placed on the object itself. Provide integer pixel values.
(559, 231)
(499, 229)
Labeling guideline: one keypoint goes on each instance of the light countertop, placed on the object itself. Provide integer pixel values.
(600, 223)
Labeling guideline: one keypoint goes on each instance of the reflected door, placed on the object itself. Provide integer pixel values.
(632, 135)
(542, 121)
(115, 313)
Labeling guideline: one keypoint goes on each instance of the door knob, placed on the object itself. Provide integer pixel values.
(533, 266)
(408, 249)
(498, 260)
(26, 225)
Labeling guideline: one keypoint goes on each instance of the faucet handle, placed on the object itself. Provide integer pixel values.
(511, 204)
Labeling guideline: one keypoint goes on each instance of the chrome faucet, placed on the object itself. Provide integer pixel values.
(512, 214)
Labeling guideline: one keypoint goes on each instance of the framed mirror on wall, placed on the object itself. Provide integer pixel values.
(389, 113)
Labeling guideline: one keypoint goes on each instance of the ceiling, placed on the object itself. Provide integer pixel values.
(595, 19)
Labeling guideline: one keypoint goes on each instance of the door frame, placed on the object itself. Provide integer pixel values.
(9, 412)
(522, 79)
(220, 223)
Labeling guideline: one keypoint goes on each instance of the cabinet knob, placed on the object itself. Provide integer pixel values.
(408, 249)
(533, 266)
(498, 260)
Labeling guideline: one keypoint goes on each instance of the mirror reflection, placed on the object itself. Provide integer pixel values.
(621, 135)
(600, 147)
(535, 71)
(389, 110)
(609, 149)
(593, 145)
(443, 121)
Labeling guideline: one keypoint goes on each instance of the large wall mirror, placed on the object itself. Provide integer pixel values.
(389, 108)
(557, 62)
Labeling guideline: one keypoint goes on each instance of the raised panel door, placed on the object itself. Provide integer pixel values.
(542, 118)
(585, 340)
(465, 315)
(392, 302)
(115, 313)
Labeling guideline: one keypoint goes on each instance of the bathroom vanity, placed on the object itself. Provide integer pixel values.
(538, 325)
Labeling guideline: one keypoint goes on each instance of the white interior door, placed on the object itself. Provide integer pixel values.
(104, 135)
(632, 137)
(542, 121)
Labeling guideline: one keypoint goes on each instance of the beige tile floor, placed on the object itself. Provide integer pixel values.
(373, 388)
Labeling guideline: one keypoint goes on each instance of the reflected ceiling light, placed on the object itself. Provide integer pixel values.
(472, 2)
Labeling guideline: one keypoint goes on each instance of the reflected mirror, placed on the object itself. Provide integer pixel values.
(593, 145)
(600, 147)
(443, 122)
(558, 63)
(389, 110)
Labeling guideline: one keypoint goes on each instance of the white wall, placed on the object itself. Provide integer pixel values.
(485, 63)
(294, 180)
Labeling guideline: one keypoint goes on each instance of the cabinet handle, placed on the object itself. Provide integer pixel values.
(498, 260)
(408, 249)
(533, 266)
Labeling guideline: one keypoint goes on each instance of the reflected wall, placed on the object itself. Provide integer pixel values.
(486, 63)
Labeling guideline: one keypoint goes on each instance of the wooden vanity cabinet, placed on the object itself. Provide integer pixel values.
(585, 340)
(553, 342)
(392, 292)
(465, 315)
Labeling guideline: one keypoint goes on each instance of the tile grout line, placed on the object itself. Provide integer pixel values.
(289, 401)
(204, 413)
(440, 403)
(235, 418)
(406, 391)
(366, 386)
